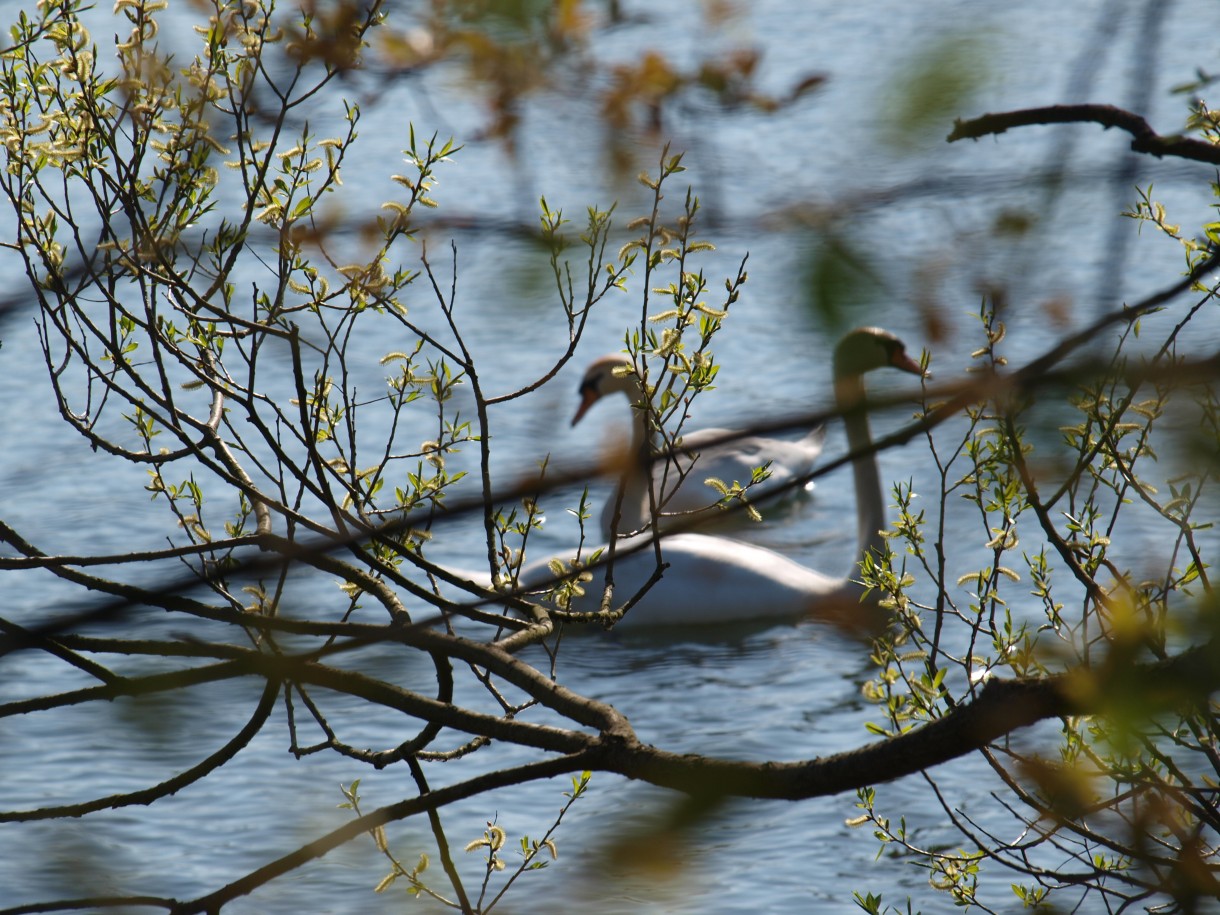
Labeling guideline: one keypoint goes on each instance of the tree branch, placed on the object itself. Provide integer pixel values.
(433, 800)
(1146, 140)
(1002, 707)
(170, 786)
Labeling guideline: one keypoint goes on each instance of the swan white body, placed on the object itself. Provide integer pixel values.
(713, 580)
(678, 484)
(716, 580)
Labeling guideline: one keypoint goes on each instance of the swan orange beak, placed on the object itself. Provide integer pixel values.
(900, 360)
(588, 397)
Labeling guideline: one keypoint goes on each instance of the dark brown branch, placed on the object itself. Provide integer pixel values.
(442, 841)
(434, 800)
(93, 903)
(45, 561)
(1002, 707)
(57, 649)
(1146, 140)
(282, 668)
(170, 786)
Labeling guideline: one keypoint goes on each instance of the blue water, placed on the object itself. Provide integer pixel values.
(919, 209)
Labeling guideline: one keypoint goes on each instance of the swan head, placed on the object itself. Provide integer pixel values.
(867, 348)
(608, 375)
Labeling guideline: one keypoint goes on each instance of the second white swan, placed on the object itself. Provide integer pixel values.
(678, 488)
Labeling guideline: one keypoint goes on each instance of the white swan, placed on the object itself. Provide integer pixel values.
(678, 487)
(716, 580)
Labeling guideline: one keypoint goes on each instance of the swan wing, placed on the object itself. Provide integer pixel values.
(734, 462)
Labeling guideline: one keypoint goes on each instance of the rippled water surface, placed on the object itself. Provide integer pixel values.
(786, 692)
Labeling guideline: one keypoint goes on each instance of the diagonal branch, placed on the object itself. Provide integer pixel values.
(1146, 140)
(1003, 706)
(433, 800)
(170, 786)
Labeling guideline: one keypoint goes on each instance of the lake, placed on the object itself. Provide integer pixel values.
(920, 209)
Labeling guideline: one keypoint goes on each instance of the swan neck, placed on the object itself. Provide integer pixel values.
(870, 508)
(631, 494)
